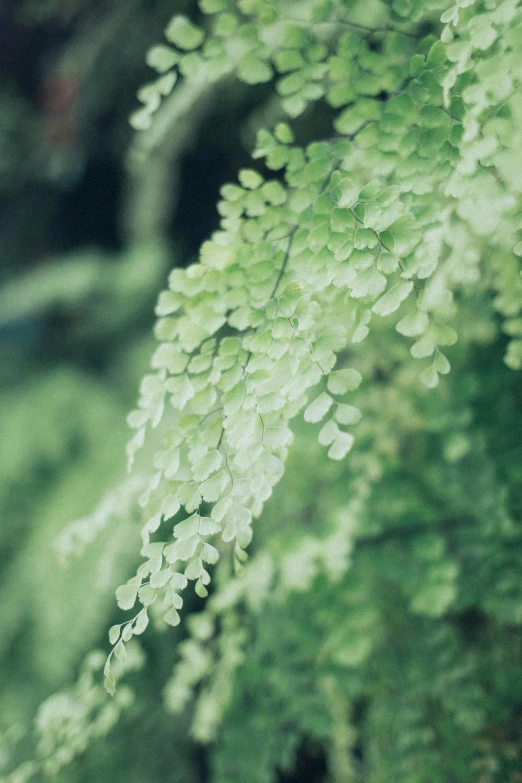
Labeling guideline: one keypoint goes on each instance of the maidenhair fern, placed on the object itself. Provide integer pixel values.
(348, 271)
(405, 209)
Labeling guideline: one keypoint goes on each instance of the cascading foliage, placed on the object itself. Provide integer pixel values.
(347, 271)
(409, 205)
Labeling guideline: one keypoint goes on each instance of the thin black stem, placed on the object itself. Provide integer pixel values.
(376, 233)
(285, 261)
(343, 23)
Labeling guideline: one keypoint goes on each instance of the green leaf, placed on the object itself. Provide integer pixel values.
(278, 157)
(234, 398)
(432, 117)
(141, 119)
(250, 179)
(168, 302)
(209, 554)
(387, 262)
(160, 578)
(319, 237)
(342, 381)
(208, 527)
(351, 119)
(347, 414)
(200, 589)
(284, 133)
(141, 623)
(295, 37)
(288, 60)
(170, 506)
(261, 342)
(181, 550)
(436, 55)
(348, 192)
(328, 433)
(277, 436)
(181, 32)
(188, 528)
(405, 234)
(109, 684)
(221, 508)
(178, 581)
(114, 633)
(120, 652)
(435, 297)
(162, 58)
(368, 283)
(413, 324)
(341, 220)
(194, 569)
(231, 192)
(370, 191)
(212, 489)
(341, 446)
(207, 465)
(322, 11)
(165, 83)
(443, 334)
(340, 94)
(442, 364)
(393, 298)
(127, 632)
(388, 195)
(193, 66)
(422, 348)
(322, 205)
(173, 599)
(403, 106)
(457, 108)
(147, 595)
(364, 237)
(244, 536)
(265, 142)
(482, 32)
(387, 241)
(154, 551)
(150, 96)
(429, 377)
(230, 531)
(294, 105)
(274, 193)
(291, 84)
(253, 70)
(172, 617)
(417, 64)
(126, 594)
(189, 496)
(513, 357)
(168, 356)
(318, 408)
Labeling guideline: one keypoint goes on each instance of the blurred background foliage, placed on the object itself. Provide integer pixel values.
(410, 664)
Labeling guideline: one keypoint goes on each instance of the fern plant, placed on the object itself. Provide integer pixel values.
(394, 216)
(344, 271)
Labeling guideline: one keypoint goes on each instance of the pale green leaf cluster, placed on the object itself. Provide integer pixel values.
(382, 605)
(70, 720)
(394, 216)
